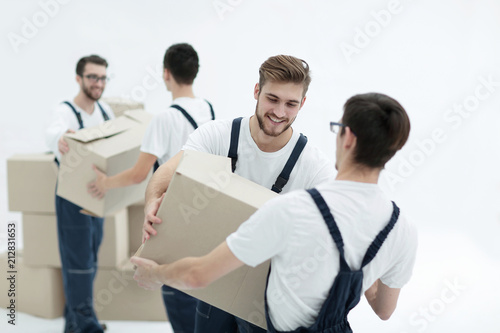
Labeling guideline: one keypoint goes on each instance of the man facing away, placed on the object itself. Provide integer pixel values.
(79, 235)
(164, 137)
(370, 246)
(264, 148)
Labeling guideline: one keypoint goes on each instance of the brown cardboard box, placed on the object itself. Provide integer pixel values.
(119, 105)
(204, 203)
(135, 222)
(41, 247)
(113, 147)
(38, 291)
(32, 182)
(118, 297)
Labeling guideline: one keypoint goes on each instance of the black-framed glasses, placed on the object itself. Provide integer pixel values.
(94, 78)
(334, 127)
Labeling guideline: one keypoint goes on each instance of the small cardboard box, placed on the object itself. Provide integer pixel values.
(204, 203)
(113, 147)
(37, 291)
(41, 246)
(32, 182)
(119, 105)
(118, 297)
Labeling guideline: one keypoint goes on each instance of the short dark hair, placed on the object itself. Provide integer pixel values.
(381, 126)
(93, 59)
(182, 61)
(285, 68)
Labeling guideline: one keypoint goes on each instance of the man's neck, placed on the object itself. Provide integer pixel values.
(84, 103)
(356, 173)
(182, 90)
(266, 143)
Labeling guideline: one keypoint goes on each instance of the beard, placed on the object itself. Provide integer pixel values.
(266, 131)
(88, 92)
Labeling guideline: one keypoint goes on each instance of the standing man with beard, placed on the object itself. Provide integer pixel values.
(264, 149)
(79, 235)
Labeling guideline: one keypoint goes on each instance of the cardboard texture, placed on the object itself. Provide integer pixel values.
(204, 203)
(32, 182)
(41, 247)
(118, 297)
(135, 222)
(119, 105)
(38, 291)
(113, 147)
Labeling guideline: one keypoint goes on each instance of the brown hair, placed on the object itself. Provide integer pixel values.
(93, 59)
(381, 126)
(285, 68)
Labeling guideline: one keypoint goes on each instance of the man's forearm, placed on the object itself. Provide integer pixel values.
(158, 184)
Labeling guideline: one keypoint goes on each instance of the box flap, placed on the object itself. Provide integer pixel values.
(104, 130)
(139, 115)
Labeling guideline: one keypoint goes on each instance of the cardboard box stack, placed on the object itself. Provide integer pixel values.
(31, 190)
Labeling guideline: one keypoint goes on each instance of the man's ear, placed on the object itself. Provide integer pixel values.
(349, 138)
(78, 79)
(302, 103)
(166, 74)
(256, 91)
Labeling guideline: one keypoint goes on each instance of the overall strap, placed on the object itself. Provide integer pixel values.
(156, 166)
(211, 110)
(77, 114)
(184, 112)
(292, 160)
(382, 235)
(331, 224)
(233, 146)
(104, 114)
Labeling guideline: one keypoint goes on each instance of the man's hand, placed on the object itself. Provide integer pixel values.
(144, 273)
(62, 145)
(97, 188)
(151, 218)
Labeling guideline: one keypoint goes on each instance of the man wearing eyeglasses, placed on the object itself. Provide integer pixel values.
(328, 245)
(79, 235)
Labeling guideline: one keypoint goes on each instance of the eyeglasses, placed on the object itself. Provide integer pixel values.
(94, 78)
(334, 128)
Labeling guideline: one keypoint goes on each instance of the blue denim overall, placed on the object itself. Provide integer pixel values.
(209, 318)
(347, 287)
(79, 236)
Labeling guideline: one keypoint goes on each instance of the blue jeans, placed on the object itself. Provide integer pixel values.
(79, 236)
(211, 319)
(180, 309)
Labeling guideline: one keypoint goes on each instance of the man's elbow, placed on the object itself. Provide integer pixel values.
(196, 279)
(138, 177)
(385, 314)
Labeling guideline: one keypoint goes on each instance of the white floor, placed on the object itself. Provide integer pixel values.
(26, 323)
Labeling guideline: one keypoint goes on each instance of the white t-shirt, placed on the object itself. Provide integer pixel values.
(63, 118)
(169, 130)
(311, 169)
(305, 261)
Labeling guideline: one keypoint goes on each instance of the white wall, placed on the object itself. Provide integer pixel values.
(434, 57)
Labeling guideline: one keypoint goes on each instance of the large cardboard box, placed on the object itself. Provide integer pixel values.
(32, 182)
(113, 147)
(38, 291)
(119, 105)
(118, 297)
(204, 203)
(41, 247)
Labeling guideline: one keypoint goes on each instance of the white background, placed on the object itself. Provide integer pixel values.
(434, 57)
